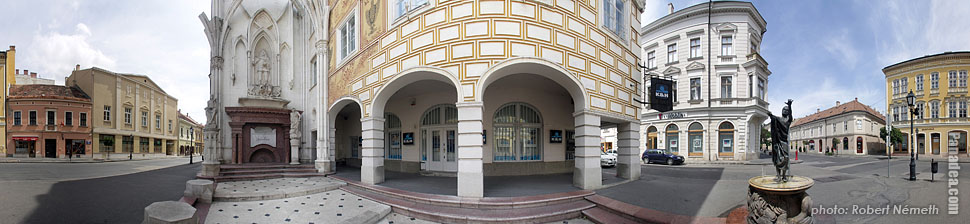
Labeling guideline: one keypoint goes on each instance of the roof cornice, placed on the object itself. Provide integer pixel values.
(701, 9)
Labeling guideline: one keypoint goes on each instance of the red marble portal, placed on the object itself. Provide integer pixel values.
(244, 119)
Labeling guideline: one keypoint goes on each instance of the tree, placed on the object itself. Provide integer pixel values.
(896, 137)
(765, 137)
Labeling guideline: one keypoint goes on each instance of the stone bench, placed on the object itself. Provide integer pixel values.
(200, 189)
(170, 212)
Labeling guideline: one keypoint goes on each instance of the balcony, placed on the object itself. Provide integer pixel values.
(956, 90)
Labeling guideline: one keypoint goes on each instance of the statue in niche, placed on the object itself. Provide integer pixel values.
(262, 84)
(295, 117)
(210, 111)
(262, 68)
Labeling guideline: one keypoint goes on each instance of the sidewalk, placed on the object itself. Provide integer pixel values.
(86, 159)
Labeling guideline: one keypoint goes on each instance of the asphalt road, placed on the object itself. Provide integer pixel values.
(714, 190)
(115, 192)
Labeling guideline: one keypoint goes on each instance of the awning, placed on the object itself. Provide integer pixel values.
(24, 138)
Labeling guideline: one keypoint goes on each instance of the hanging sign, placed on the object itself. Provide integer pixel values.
(661, 94)
(408, 138)
(555, 136)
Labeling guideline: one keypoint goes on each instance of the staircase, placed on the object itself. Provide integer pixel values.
(611, 211)
(453, 209)
(259, 172)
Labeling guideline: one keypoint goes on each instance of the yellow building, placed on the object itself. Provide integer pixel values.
(190, 138)
(7, 66)
(131, 114)
(939, 83)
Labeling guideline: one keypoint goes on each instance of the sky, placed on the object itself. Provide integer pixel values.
(818, 51)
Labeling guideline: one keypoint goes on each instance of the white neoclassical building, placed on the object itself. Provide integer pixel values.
(454, 88)
(710, 52)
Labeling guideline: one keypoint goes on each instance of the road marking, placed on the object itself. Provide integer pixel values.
(849, 165)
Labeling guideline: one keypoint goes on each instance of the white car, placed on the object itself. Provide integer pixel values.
(607, 159)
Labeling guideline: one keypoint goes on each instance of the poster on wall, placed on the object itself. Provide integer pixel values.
(727, 143)
(408, 138)
(555, 136)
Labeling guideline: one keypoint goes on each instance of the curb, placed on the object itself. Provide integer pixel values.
(81, 161)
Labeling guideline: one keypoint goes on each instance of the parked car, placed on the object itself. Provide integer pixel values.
(607, 160)
(661, 156)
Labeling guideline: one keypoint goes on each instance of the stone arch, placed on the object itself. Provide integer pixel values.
(339, 105)
(409, 76)
(536, 66)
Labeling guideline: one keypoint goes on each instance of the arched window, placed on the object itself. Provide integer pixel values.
(652, 137)
(695, 137)
(845, 143)
(726, 138)
(443, 115)
(517, 133)
(392, 127)
(672, 138)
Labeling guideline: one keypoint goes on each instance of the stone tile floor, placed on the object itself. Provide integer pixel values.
(273, 188)
(336, 206)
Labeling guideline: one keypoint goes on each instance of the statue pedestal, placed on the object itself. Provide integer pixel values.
(210, 169)
(774, 202)
(294, 152)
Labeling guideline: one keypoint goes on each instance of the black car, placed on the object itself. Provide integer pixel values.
(661, 156)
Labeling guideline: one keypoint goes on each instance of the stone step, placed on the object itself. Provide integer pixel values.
(645, 215)
(266, 171)
(264, 166)
(263, 176)
(450, 214)
(602, 216)
(459, 202)
(277, 188)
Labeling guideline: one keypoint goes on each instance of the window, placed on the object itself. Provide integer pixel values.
(673, 137)
(107, 113)
(69, 118)
(16, 117)
(833, 128)
(517, 133)
(761, 88)
(952, 112)
(962, 108)
(127, 115)
(403, 7)
(107, 143)
(695, 88)
(726, 138)
(963, 78)
(726, 45)
(895, 86)
(393, 127)
(695, 137)
(158, 121)
(922, 110)
(169, 125)
(919, 82)
(672, 53)
(144, 118)
(51, 117)
(83, 119)
(32, 117)
(726, 87)
(613, 16)
(347, 40)
(858, 124)
(845, 125)
(903, 85)
(754, 47)
(935, 80)
(695, 47)
(952, 77)
(313, 72)
(652, 59)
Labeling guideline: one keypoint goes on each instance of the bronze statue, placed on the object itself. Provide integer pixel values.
(779, 141)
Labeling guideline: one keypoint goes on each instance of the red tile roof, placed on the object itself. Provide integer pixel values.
(837, 110)
(48, 92)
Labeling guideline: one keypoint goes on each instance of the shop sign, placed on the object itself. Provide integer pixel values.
(555, 136)
(408, 138)
(671, 115)
(661, 96)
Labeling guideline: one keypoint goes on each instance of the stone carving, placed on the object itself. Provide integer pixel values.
(262, 135)
(210, 111)
(773, 208)
(779, 141)
(263, 85)
(295, 117)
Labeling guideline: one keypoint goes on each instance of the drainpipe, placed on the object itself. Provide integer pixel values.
(710, 6)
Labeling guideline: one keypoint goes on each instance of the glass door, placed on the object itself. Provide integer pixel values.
(450, 160)
(442, 150)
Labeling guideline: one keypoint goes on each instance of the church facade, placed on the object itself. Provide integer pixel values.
(451, 88)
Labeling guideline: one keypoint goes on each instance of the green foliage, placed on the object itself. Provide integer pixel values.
(765, 136)
(896, 137)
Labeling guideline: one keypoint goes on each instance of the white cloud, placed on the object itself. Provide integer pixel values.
(842, 48)
(57, 53)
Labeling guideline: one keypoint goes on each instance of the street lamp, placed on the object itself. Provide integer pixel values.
(192, 143)
(911, 100)
(131, 151)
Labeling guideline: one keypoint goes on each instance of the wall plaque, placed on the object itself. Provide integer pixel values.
(262, 135)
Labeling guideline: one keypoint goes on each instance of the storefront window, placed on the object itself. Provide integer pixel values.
(695, 135)
(517, 135)
(726, 138)
(393, 128)
(673, 138)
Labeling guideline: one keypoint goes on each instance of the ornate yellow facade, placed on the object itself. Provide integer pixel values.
(8, 65)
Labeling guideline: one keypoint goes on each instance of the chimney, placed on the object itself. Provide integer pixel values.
(33, 75)
(77, 67)
(25, 72)
(818, 110)
(837, 102)
(13, 48)
(670, 8)
(16, 71)
(857, 99)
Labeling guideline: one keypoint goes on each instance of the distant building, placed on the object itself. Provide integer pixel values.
(854, 125)
(48, 121)
(27, 79)
(7, 69)
(190, 133)
(130, 114)
(939, 83)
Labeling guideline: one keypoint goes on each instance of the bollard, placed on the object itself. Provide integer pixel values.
(934, 168)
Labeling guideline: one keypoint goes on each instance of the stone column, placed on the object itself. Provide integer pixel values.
(324, 162)
(470, 183)
(628, 158)
(587, 173)
(372, 153)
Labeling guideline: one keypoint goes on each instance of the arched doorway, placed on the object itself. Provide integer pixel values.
(858, 145)
(345, 133)
(845, 143)
(651, 137)
(811, 146)
(439, 126)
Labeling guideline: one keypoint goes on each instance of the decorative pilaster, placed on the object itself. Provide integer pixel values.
(587, 173)
(628, 161)
(372, 154)
(470, 177)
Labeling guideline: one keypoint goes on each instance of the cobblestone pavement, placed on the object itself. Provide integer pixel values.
(273, 188)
